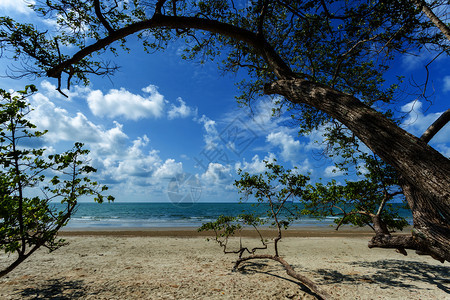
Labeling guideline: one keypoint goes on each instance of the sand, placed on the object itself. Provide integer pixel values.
(178, 264)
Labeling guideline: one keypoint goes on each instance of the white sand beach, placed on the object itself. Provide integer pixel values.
(132, 265)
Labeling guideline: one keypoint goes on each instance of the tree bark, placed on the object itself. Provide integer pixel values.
(424, 170)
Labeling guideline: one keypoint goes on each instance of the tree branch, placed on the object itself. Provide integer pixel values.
(433, 18)
(436, 126)
(377, 133)
(274, 61)
(100, 16)
(158, 7)
(262, 15)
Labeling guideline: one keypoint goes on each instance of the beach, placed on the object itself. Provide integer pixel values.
(181, 264)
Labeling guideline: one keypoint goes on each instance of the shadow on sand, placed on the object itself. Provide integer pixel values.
(387, 272)
(393, 273)
(269, 268)
(56, 289)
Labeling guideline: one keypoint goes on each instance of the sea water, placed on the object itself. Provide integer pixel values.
(159, 215)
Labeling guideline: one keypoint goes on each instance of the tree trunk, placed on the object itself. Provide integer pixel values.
(21, 258)
(424, 170)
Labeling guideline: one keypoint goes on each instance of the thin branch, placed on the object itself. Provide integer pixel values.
(436, 126)
(262, 15)
(344, 55)
(158, 7)
(100, 16)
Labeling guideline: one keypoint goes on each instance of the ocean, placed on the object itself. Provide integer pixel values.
(160, 215)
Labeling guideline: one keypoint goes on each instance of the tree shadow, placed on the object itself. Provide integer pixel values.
(264, 267)
(56, 289)
(394, 273)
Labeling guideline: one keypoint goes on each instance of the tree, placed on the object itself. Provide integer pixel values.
(374, 200)
(28, 223)
(275, 188)
(288, 195)
(325, 59)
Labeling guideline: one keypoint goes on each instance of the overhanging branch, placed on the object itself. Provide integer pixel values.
(274, 61)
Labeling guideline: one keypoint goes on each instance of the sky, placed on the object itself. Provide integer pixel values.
(161, 120)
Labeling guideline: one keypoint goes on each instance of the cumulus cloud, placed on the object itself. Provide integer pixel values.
(256, 166)
(169, 169)
(217, 174)
(130, 167)
(64, 127)
(134, 162)
(124, 103)
(290, 148)
(20, 6)
(140, 167)
(182, 111)
(49, 90)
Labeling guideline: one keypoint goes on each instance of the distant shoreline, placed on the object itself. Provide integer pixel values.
(319, 231)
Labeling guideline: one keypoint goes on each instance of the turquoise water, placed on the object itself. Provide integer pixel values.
(140, 215)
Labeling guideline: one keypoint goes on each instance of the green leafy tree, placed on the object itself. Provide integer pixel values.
(28, 223)
(288, 195)
(372, 201)
(275, 188)
(326, 60)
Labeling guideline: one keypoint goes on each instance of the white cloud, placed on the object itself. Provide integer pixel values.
(256, 166)
(124, 103)
(446, 87)
(290, 148)
(136, 165)
(332, 171)
(211, 135)
(169, 169)
(49, 89)
(63, 127)
(182, 111)
(414, 61)
(20, 6)
(259, 119)
(132, 169)
(217, 174)
(417, 122)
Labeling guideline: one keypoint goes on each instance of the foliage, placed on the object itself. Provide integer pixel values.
(28, 222)
(274, 188)
(328, 60)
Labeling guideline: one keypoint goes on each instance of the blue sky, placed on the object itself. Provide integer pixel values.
(160, 116)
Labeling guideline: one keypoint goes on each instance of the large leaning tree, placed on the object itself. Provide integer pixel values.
(325, 59)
